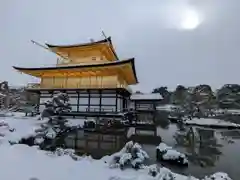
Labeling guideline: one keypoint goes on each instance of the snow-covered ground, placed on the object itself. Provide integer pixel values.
(31, 163)
(27, 163)
(228, 111)
(211, 122)
(171, 108)
(14, 128)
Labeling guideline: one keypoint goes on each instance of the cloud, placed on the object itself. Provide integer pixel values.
(147, 30)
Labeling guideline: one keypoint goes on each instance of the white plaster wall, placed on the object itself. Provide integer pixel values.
(109, 101)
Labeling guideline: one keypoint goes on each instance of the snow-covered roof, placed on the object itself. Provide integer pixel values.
(152, 96)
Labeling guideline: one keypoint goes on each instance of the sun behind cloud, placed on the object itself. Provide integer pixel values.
(190, 19)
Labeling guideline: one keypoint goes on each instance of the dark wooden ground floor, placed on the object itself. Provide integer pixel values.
(91, 100)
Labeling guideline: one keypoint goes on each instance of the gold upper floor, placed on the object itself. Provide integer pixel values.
(106, 75)
(88, 66)
(93, 52)
(92, 82)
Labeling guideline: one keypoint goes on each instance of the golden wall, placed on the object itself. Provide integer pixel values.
(91, 82)
(82, 57)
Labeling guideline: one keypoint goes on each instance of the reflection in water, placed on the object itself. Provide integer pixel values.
(208, 150)
(95, 144)
(201, 145)
(161, 118)
(230, 134)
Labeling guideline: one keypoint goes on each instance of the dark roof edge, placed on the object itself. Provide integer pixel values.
(86, 44)
(82, 44)
(131, 60)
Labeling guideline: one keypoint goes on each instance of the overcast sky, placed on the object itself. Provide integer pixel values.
(147, 30)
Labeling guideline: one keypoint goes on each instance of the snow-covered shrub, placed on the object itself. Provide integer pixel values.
(153, 170)
(58, 105)
(64, 152)
(162, 173)
(53, 111)
(218, 176)
(5, 128)
(131, 154)
(52, 122)
(167, 153)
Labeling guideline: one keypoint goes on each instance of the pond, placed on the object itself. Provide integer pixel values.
(208, 150)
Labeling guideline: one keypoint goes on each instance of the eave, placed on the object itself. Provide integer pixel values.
(104, 41)
(38, 72)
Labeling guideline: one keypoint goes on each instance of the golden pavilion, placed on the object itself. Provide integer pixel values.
(91, 74)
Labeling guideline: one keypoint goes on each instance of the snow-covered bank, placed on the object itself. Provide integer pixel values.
(167, 153)
(29, 162)
(227, 111)
(208, 122)
(16, 127)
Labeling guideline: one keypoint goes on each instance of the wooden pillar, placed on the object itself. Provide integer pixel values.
(100, 103)
(78, 100)
(135, 109)
(89, 96)
(51, 93)
(116, 103)
(53, 81)
(155, 131)
(66, 81)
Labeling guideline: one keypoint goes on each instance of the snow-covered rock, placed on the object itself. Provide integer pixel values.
(167, 153)
(18, 127)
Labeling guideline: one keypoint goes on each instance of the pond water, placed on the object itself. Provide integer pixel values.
(208, 150)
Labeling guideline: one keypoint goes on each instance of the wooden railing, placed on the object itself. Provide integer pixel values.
(33, 85)
(99, 110)
(83, 86)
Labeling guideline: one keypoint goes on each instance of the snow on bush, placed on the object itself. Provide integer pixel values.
(162, 173)
(55, 123)
(167, 153)
(34, 131)
(64, 152)
(131, 154)
(218, 176)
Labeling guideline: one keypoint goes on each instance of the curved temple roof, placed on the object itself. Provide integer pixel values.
(82, 44)
(107, 40)
(72, 67)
